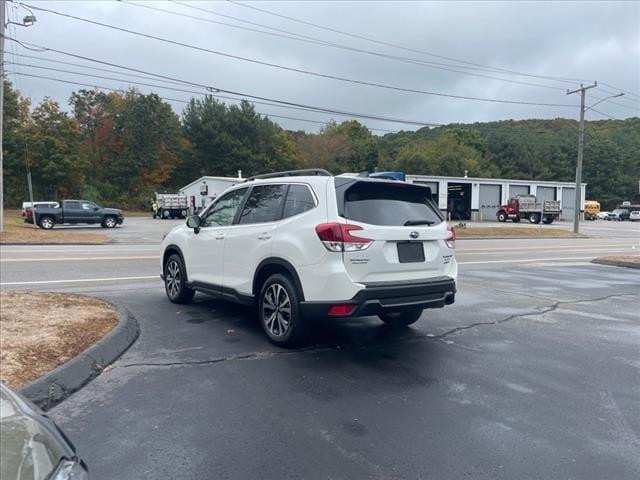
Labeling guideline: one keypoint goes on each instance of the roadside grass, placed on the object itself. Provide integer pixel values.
(17, 231)
(40, 331)
(515, 232)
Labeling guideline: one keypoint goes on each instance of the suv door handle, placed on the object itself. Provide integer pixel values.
(264, 236)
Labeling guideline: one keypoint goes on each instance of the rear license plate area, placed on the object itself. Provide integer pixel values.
(410, 252)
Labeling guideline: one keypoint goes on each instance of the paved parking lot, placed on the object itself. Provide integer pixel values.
(533, 373)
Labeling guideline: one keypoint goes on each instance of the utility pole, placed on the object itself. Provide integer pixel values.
(578, 193)
(2, 26)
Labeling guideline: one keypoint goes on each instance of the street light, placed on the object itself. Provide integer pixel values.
(605, 99)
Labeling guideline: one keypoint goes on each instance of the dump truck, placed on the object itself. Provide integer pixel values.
(170, 205)
(527, 207)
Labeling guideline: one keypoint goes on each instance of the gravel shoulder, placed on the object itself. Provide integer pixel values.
(40, 331)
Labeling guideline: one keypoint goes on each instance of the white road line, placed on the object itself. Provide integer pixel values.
(527, 260)
(82, 280)
(74, 259)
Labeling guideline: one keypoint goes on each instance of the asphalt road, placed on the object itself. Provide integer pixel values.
(533, 373)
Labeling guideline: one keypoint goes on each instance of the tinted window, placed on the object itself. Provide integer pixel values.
(391, 204)
(299, 200)
(223, 211)
(73, 205)
(263, 205)
(87, 206)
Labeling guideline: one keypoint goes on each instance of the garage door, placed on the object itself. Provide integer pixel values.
(568, 203)
(518, 190)
(546, 193)
(489, 201)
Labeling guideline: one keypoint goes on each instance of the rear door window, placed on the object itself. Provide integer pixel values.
(390, 204)
(299, 200)
(264, 204)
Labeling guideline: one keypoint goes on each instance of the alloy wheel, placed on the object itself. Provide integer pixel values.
(110, 222)
(172, 278)
(276, 310)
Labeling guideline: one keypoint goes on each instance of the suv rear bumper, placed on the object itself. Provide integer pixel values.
(380, 297)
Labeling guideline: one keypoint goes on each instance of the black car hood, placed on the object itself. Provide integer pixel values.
(115, 211)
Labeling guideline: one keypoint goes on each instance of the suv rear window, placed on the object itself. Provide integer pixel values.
(391, 204)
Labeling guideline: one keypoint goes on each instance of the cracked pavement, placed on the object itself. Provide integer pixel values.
(533, 373)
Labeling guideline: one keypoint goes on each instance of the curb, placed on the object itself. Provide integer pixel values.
(616, 263)
(56, 385)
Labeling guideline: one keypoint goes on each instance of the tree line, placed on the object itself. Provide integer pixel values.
(118, 148)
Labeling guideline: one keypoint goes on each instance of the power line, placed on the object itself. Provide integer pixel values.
(312, 40)
(209, 88)
(299, 70)
(621, 90)
(604, 114)
(388, 44)
(501, 133)
(99, 87)
(126, 80)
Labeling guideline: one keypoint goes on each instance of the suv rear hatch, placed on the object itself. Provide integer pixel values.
(407, 232)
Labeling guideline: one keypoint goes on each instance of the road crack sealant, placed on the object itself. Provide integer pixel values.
(335, 348)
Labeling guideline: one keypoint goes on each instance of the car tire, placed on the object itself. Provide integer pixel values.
(46, 223)
(279, 312)
(502, 217)
(175, 280)
(547, 220)
(534, 218)
(401, 319)
(109, 222)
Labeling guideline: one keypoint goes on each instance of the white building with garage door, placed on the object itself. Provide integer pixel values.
(202, 191)
(468, 198)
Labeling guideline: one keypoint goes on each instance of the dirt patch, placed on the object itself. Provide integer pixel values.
(17, 231)
(40, 331)
(623, 258)
(515, 232)
(630, 261)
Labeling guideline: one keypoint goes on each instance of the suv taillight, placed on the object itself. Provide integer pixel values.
(336, 237)
(452, 236)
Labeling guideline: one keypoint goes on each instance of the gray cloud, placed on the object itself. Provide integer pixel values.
(593, 40)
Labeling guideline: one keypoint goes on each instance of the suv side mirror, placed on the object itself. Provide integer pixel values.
(193, 221)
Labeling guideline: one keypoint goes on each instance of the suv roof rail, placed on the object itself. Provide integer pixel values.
(292, 173)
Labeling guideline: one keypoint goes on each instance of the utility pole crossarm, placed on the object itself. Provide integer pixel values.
(578, 191)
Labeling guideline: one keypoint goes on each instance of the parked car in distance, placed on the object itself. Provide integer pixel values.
(78, 211)
(32, 446)
(602, 215)
(27, 209)
(634, 215)
(307, 244)
(618, 214)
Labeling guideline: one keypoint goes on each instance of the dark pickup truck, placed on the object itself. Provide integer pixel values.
(78, 211)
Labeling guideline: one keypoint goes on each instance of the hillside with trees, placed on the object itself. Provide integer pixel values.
(117, 148)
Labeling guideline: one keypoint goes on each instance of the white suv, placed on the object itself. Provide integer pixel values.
(305, 244)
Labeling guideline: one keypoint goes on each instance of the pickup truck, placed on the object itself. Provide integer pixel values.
(78, 211)
(527, 207)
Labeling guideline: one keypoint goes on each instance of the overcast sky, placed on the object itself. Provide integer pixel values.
(590, 41)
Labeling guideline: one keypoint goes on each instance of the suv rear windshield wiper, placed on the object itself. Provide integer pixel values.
(408, 223)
